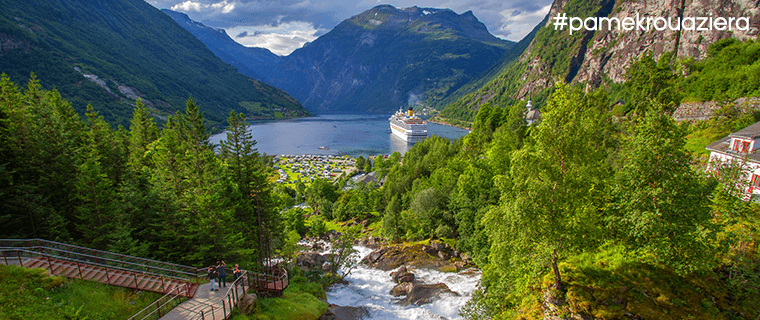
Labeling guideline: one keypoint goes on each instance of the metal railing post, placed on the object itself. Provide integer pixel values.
(108, 277)
(203, 315)
(224, 309)
(79, 268)
(18, 254)
(158, 308)
(50, 265)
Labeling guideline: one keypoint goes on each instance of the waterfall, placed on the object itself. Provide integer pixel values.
(370, 287)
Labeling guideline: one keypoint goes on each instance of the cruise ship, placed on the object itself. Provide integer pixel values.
(407, 126)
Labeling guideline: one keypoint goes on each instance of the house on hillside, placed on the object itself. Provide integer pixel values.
(740, 149)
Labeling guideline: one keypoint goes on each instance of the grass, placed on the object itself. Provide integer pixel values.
(32, 294)
(295, 304)
(699, 139)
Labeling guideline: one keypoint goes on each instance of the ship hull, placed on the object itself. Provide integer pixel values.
(408, 133)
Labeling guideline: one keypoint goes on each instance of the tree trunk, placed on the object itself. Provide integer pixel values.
(557, 277)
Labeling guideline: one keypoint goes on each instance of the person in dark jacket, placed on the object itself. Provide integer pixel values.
(222, 275)
(236, 272)
(212, 277)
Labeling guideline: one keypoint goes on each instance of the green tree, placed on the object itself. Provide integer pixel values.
(392, 219)
(360, 163)
(552, 200)
(97, 208)
(649, 80)
(662, 205)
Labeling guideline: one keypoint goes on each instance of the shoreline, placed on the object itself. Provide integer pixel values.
(441, 122)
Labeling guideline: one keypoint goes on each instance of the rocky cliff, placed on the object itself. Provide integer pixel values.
(593, 57)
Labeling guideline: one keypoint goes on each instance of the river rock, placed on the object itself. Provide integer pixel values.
(402, 275)
(336, 312)
(425, 293)
(327, 267)
(443, 255)
(310, 260)
(402, 289)
(247, 304)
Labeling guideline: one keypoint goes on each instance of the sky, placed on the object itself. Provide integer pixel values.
(285, 25)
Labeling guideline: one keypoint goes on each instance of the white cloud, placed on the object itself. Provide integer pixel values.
(516, 24)
(189, 5)
(281, 39)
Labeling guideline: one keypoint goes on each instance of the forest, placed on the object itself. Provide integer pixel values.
(600, 209)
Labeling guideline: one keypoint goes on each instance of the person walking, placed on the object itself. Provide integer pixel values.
(212, 277)
(220, 265)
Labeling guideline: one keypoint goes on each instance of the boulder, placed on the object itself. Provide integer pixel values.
(443, 255)
(374, 256)
(402, 289)
(404, 277)
(430, 250)
(310, 260)
(425, 293)
(336, 312)
(327, 267)
(247, 304)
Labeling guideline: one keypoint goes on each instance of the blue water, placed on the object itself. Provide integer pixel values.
(352, 135)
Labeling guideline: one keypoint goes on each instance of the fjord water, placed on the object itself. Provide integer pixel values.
(370, 288)
(351, 135)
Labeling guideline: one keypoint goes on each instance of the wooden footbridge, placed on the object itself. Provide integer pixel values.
(175, 281)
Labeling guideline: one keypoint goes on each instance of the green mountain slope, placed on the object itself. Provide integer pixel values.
(126, 49)
(454, 106)
(387, 57)
(596, 58)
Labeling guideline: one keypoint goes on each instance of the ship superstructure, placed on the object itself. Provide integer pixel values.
(407, 126)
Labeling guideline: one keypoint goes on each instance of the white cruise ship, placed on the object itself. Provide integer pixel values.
(408, 127)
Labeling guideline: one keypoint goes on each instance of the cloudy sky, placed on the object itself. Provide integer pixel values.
(285, 25)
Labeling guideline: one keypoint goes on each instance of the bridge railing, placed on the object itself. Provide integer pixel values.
(103, 257)
(161, 306)
(228, 301)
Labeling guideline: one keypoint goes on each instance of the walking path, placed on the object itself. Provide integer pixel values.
(205, 300)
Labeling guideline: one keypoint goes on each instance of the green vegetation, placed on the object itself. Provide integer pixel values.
(119, 44)
(299, 301)
(157, 194)
(587, 212)
(732, 71)
(32, 294)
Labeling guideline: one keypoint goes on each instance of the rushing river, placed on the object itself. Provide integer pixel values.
(370, 287)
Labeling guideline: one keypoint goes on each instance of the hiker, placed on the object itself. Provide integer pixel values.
(236, 272)
(212, 277)
(222, 275)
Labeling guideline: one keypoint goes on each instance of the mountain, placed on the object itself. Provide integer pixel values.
(109, 52)
(253, 62)
(381, 59)
(597, 57)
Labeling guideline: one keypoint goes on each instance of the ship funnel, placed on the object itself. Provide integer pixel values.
(410, 112)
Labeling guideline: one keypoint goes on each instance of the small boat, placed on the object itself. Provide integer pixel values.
(323, 148)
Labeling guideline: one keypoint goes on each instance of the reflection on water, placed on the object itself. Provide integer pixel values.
(396, 144)
(352, 135)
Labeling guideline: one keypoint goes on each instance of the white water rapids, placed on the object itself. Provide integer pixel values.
(370, 287)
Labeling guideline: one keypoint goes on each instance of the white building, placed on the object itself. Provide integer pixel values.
(533, 115)
(740, 148)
